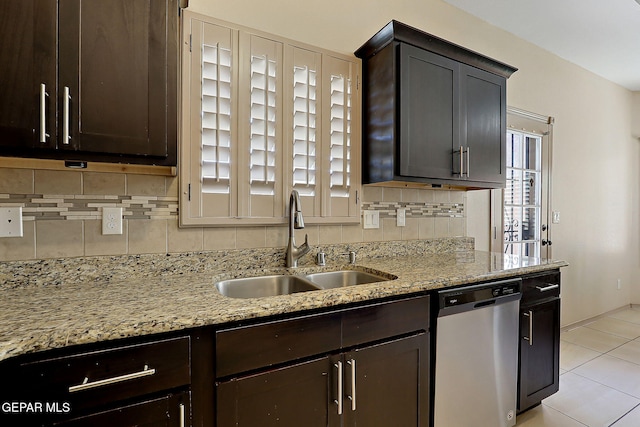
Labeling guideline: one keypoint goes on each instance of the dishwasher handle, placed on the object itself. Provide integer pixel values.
(478, 305)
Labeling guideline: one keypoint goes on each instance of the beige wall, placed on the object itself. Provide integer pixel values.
(595, 158)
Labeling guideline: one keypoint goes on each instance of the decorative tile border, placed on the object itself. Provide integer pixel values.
(80, 207)
(77, 207)
(416, 209)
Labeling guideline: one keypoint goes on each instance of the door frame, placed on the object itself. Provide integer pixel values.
(539, 124)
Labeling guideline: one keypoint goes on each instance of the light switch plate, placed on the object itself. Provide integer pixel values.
(371, 219)
(556, 217)
(11, 222)
(111, 220)
(400, 217)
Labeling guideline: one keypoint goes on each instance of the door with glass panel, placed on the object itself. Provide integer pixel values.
(525, 226)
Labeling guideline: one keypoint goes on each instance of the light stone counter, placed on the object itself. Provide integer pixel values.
(86, 304)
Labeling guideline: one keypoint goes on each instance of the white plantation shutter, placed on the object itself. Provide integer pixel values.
(304, 130)
(340, 138)
(262, 116)
(340, 157)
(263, 125)
(216, 119)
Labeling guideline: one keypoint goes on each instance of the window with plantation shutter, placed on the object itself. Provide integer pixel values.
(216, 119)
(304, 130)
(341, 181)
(263, 116)
(263, 125)
(340, 160)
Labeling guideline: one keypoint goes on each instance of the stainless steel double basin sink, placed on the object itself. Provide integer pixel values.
(266, 286)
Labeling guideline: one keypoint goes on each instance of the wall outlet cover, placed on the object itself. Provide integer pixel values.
(11, 222)
(556, 217)
(111, 220)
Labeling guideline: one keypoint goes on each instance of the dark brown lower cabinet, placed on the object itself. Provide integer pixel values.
(381, 384)
(166, 411)
(281, 397)
(359, 366)
(539, 364)
(390, 384)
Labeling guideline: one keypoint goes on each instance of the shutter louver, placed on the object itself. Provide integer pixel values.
(216, 119)
(340, 157)
(263, 125)
(304, 130)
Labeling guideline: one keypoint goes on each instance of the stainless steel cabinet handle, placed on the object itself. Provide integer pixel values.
(468, 161)
(548, 288)
(43, 113)
(65, 116)
(352, 363)
(530, 337)
(183, 418)
(340, 391)
(86, 385)
(461, 162)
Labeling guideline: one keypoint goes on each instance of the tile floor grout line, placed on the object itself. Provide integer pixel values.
(624, 415)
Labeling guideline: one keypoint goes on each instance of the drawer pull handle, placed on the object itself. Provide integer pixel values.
(548, 288)
(86, 385)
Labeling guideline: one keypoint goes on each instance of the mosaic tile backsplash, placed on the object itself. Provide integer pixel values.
(77, 207)
(62, 212)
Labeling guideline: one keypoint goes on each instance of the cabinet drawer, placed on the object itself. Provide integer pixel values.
(384, 320)
(251, 347)
(103, 376)
(540, 287)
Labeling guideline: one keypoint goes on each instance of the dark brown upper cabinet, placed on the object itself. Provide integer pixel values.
(434, 112)
(89, 80)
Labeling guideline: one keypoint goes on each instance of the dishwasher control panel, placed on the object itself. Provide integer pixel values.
(479, 293)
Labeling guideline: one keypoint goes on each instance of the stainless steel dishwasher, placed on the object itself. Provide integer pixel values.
(476, 365)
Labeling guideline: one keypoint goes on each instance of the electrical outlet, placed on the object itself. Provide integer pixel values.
(400, 217)
(111, 220)
(11, 222)
(619, 284)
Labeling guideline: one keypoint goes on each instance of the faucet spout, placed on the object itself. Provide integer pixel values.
(296, 221)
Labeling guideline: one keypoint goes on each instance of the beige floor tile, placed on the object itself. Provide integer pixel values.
(613, 372)
(629, 315)
(616, 327)
(572, 355)
(629, 352)
(588, 402)
(593, 339)
(632, 419)
(545, 416)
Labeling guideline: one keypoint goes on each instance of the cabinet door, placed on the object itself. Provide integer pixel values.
(539, 372)
(388, 384)
(292, 396)
(28, 31)
(483, 125)
(429, 116)
(118, 61)
(167, 411)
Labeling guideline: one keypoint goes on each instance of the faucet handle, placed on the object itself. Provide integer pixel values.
(352, 256)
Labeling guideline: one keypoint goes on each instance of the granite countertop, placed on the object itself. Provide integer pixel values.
(37, 317)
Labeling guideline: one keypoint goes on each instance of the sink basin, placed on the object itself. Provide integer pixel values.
(264, 286)
(338, 279)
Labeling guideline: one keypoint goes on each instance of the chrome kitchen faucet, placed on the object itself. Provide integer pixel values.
(295, 221)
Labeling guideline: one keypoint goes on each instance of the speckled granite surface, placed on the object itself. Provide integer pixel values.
(56, 303)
